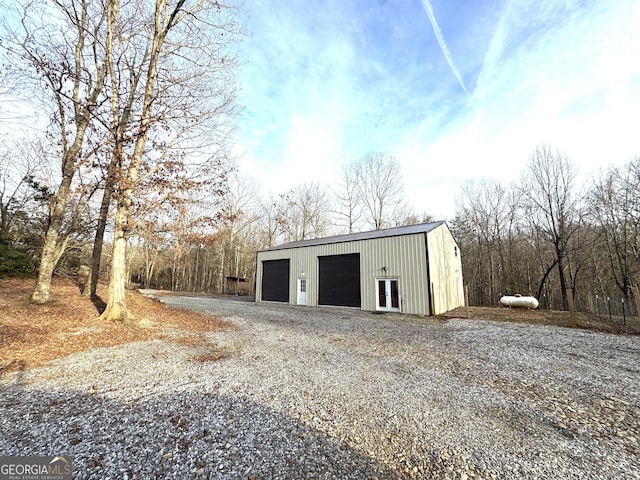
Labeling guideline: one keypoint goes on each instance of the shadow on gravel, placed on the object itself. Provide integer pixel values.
(181, 435)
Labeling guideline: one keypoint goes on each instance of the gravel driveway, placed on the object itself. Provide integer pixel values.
(336, 393)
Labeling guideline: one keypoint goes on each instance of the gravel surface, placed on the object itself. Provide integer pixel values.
(297, 392)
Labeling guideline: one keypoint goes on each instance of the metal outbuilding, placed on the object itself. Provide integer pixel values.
(414, 269)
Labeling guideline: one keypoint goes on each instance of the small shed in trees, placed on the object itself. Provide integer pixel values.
(414, 269)
(237, 286)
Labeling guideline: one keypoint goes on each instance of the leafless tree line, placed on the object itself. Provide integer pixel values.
(549, 236)
(188, 256)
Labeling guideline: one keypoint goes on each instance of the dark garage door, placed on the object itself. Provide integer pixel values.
(275, 280)
(339, 280)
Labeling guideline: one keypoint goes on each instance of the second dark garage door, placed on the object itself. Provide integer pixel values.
(339, 280)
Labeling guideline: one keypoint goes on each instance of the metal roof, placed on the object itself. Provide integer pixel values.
(352, 237)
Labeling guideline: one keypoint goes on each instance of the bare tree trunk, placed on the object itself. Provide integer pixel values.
(150, 267)
(50, 250)
(117, 305)
(96, 255)
(116, 309)
(222, 254)
(563, 281)
(174, 272)
(543, 281)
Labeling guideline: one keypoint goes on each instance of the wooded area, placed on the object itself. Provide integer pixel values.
(547, 233)
(134, 177)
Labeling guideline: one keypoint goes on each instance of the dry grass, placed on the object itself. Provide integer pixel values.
(213, 354)
(31, 335)
(585, 320)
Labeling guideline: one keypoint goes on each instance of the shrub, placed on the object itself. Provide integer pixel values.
(14, 262)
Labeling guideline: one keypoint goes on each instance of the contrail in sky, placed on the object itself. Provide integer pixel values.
(443, 45)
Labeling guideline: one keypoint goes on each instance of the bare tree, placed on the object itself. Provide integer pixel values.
(487, 228)
(347, 199)
(615, 207)
(553, 208)
(379, 187)
(307, 212)
(56, 46)
(181, 56)
(271, 219)
(115, 122)
(239, 213)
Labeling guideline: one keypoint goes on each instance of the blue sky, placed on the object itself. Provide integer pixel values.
(453, 89)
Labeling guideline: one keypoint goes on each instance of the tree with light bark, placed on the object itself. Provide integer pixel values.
(180, 67)
(54, 50)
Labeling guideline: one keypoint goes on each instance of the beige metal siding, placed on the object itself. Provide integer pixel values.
(403, 256)
(445, 270)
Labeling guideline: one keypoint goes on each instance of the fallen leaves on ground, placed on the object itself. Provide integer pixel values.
(31, 335)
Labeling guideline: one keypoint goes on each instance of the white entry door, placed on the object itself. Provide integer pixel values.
(388, 294)
(302, 291)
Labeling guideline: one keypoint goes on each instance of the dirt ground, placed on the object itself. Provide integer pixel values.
(31, 335)
(585, 320)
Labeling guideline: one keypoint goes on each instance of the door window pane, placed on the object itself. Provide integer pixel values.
(395, 300)
(382, 293)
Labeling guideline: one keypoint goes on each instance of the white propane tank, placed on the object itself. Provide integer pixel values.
(518, 301)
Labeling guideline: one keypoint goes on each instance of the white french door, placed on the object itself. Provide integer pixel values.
(388, 294)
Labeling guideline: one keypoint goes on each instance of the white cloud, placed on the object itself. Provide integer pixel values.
(441, 42)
